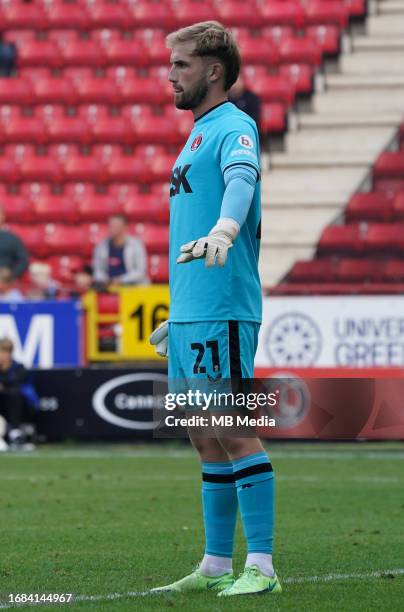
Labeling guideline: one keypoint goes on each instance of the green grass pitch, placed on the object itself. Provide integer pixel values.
(105, 523)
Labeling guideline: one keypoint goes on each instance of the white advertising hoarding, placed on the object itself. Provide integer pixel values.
(324, 331)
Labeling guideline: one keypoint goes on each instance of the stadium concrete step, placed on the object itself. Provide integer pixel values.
(339, 121)
(329, 155)
(344, 141)
(364, 81)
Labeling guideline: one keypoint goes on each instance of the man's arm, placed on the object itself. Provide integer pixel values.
(240, 180)
(21, 258)
(136, 263)
(100, 271)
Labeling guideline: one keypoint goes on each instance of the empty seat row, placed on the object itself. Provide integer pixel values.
(64, 267)
(362, 237)
(388, 172)
(58, 239)
(375, 206)
(337, 289)
(145, 14)
(347, 270)
(141, 207)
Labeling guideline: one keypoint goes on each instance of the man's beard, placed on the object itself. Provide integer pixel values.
(193, 98)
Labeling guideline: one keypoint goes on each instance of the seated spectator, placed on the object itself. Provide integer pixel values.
(43, 286)
(8, 57)
(83, 281)
(8, 293)
(120, 259)
(13, 254)
(246, 100)
(18, 398)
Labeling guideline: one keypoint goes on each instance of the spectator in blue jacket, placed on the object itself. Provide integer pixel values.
(18, 398)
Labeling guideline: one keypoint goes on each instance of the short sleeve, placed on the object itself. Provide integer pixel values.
(240, 146)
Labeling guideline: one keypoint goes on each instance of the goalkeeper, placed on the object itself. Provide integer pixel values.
(216, 300)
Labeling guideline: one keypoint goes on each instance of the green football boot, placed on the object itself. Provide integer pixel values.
(197, 582)
(253, 582)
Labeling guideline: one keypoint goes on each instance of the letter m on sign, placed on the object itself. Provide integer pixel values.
(39, 339)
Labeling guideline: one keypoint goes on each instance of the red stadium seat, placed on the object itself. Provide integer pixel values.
(108, 303)
(315, 271)
(64, 240)
(161, 167)
(237, 13)
(84, 168)
(17, 208)
(157, 53)
(388, 172)
(127, 168)
(125, 52)
(96, 90)
(146, 208)
(341, 238)
(259, 51)
(153, 15)
(276, 33)
(67, 129)
(155, 238)
(55, 209)
(369, 207)
(15, 91)
(159, 130)
(22, 15)
(327, 11)
(277, 13)
(384, 237)
(158, 268)
(273, 118)
(398, 206)
(40, 168)
(67, 15)
(49, 90)
(24, 129)
(140, 90)
(187, 12)
(19, 37)
(393, 271)
(33, 238)
(359, 270)
(112, 129)
(356, 8)
(273, 88)
(39, 53)
(300, 51)
(98, 207)
(110, 15)
(328, 37)
(65, 266)
(301, 76)
(81, 53)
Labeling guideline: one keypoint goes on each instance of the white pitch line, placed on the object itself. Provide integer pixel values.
(338, 455)
(331, 577)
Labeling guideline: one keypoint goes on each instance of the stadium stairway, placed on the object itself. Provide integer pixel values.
(354, 114)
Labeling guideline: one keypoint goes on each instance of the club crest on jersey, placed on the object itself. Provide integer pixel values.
(196, 143)
(245, 141)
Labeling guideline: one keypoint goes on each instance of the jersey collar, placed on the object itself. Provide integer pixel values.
(211, 110)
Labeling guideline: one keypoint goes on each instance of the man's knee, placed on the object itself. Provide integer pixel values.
(240, 447)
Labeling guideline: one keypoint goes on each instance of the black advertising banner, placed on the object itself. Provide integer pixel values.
(97, 403)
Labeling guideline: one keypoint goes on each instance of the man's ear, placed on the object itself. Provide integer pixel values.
(215, 72)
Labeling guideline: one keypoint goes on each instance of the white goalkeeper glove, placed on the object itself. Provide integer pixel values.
(214, 247)
(159, 339)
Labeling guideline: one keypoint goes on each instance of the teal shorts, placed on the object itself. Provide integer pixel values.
(212, 350)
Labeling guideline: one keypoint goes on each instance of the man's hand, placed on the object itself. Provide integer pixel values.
(214, 247)
(159, 339)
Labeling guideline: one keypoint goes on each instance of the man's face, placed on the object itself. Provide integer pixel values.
(188, 76)
(117, 227)
(5, 356)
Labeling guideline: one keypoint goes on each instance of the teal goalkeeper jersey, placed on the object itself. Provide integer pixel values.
(220, 138)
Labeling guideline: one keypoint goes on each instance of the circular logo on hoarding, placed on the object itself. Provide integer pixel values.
(293, 339)
(127, 401)
(196, 142)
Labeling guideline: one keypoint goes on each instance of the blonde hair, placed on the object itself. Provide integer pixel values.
(211, 39)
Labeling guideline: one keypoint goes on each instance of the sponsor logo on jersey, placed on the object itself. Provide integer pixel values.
(178, 179)
(245, 141)
(196, 142)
